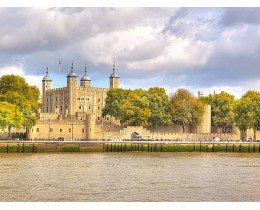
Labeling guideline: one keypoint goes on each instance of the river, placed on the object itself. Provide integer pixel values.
(132, 176)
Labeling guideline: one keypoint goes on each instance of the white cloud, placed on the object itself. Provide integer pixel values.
(18, 70)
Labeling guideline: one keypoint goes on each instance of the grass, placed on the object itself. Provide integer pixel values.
(70, 148)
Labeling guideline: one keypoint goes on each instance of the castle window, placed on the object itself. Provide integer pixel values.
(107, 118)
(56, 99)
(98, 118)
(60, 130)
(47, 109)
(89, 107)
(98, 107)
(61, 108)
(80, 106)
(82, 130)
(82, 99)
(37, 129)
(51, 129)
(70, 130)
(99, 100)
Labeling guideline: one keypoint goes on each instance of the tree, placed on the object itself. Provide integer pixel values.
(222, 114)
(159, 107)
(247, 112)
(186, 110)
(24, 106)
(10, 117)
(13, 83)
(113, 101)
(135, 109)
(25, 99)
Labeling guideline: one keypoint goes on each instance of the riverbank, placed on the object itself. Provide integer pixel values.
(87, 146)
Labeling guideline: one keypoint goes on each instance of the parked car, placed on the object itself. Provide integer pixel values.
(216, 138)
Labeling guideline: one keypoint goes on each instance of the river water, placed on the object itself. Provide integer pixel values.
(132, 176)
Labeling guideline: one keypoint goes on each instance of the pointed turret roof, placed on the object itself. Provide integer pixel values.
(114, 75)
(46, 77)
(85, 77)
(72, 73)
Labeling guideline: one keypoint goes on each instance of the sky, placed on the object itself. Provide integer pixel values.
(200, 49)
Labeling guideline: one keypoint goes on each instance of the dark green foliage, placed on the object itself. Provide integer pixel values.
(70, 148)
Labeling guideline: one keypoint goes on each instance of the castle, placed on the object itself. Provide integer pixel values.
(75, 102)
(75, 113)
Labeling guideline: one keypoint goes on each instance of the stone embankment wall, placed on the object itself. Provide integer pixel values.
(37, 147)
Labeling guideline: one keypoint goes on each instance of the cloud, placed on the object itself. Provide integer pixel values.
(18, 70)
(198, 48)
(239, 16)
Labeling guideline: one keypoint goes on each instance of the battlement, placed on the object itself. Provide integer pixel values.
(93, 88)
(57, 89)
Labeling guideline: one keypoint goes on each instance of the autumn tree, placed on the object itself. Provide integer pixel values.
(247, 112)
(25, 98)
(113, 101)
(159, 107)
(135, 109)
(10, 117)
(186, 110)
(222, 115)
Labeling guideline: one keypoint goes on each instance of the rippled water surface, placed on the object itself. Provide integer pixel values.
(130, 177)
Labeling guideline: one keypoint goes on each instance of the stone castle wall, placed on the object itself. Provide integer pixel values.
(81, 130)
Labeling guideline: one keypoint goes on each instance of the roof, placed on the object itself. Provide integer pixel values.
(85, 77)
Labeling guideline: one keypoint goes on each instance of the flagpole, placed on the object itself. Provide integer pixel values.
(59, 73)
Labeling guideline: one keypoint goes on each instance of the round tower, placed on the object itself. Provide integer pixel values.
(90, 126)
(46, 85)
(72, 87)
(85, 81)
(114, 79)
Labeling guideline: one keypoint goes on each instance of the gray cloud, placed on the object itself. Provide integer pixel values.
(191, 47)
(237, 16)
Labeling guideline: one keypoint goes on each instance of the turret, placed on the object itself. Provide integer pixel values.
(72, 85)
(46, 85)
(114, 79)
(85, 81)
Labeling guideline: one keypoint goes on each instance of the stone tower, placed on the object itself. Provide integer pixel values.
(72, 87)
(114, 79)
(85, 81)
(46, 85)
(90, 126)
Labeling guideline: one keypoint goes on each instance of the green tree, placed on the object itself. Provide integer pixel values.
(13, 83)
(159, 107)
(24, 106)
(10, 117)
(135, 109)
(25, 98)
(186, 110)
(247, 112)
(113, 102)
(222, 115)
